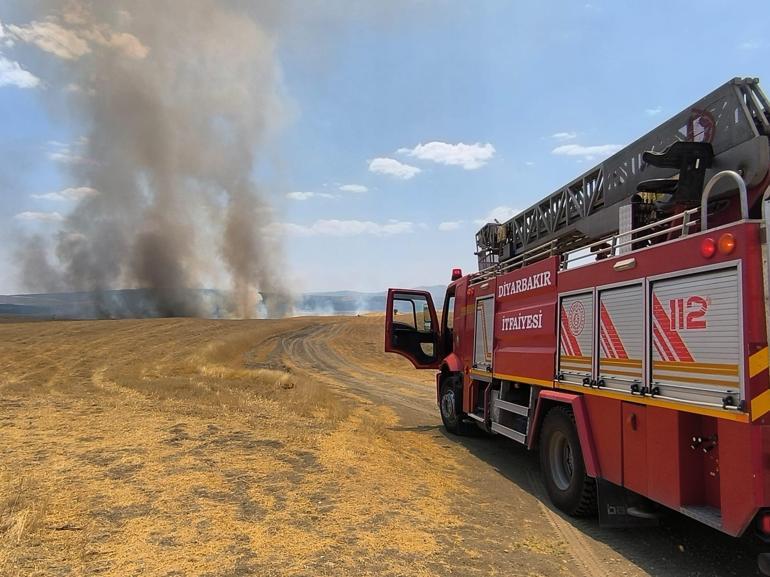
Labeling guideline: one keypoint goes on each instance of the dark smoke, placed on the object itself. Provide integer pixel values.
(178, 99)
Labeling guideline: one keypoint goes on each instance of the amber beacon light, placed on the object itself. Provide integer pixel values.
(726, 243)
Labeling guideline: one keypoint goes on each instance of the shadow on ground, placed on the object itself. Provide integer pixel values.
(679, 547)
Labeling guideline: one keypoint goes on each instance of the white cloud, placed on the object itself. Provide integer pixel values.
(357, 188)
(564, 136)
(70, 44)
(4, 38)
(653, 111)
(449, 225)
(68, 153)
(52, 38)
(309, 195)
(12, 74)
(469, 156)
(65, 156)
(529, 163)
(393, 167)
(341, 228)
(499, 214)
(73, 194)
(587, 152)
(39, 216)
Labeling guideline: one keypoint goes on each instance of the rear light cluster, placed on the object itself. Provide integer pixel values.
(763, 524)
(725, 245)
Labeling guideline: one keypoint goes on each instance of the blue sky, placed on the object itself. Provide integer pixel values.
(538, 92)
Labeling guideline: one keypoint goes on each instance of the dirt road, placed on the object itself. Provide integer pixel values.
(295, 447)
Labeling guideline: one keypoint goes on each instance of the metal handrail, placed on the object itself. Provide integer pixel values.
(544, 251)
(535, 253)
(707, 191)
(615, 243)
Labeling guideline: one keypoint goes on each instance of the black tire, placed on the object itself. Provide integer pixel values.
(451, 406)
(564, 470)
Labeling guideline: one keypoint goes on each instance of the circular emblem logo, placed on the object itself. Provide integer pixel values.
(576, 315)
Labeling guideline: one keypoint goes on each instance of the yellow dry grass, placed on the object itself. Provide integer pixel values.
(365, 348)
(186, 447)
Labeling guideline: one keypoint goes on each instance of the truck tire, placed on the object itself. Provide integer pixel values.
(451, 406)
(561, 459)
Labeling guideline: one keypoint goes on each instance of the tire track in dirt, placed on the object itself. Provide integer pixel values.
(589, 564)
(312, 349)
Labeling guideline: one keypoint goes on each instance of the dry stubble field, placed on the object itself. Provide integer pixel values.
(177, 447)
(294, 447)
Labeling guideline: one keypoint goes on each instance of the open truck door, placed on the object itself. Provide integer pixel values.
(411, 327)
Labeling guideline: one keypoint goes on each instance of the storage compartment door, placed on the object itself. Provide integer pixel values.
(621, 337)
(576, 337)
(696, 337)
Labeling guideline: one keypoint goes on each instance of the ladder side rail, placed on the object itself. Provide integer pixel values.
(760, 106)
(751, 108)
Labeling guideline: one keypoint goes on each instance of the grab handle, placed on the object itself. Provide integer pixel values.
(707, 191)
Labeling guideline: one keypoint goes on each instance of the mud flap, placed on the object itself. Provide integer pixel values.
(615, 502)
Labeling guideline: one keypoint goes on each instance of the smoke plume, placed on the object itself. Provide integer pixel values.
(178, 99)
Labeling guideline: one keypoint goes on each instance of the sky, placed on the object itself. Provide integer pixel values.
(411, 127)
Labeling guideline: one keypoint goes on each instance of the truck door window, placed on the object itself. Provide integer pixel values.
(412, 327)
(412, 311)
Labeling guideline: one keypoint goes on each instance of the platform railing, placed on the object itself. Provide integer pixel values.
(610, 246)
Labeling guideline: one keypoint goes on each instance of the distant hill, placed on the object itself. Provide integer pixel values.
(138, 303)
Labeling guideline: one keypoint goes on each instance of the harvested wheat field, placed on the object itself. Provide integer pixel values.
(292, 447)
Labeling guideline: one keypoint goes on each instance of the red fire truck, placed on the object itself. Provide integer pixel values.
(620, 325)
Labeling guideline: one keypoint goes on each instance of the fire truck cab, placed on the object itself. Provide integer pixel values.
(619, 326)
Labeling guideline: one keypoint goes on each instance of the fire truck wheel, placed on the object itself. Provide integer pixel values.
(451, 405)
(561, 459)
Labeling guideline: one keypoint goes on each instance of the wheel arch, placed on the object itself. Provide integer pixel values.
(548, 399)
(450, 366)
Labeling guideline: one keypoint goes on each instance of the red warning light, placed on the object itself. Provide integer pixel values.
(457, 273)
(708, 247)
